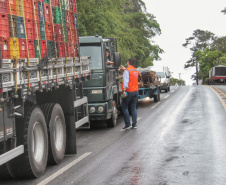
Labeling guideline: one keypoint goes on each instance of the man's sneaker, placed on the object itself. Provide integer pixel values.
(126, 128)
(134, 126)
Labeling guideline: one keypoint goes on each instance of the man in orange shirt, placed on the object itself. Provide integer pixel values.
(130, 94)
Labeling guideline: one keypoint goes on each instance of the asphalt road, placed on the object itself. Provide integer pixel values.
(179, 141)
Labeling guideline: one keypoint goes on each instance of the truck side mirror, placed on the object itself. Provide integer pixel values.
(117, 59)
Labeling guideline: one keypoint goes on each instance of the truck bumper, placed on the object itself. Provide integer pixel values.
(95, 114)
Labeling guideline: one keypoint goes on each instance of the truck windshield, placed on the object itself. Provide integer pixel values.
(161, 74)
(95, 53)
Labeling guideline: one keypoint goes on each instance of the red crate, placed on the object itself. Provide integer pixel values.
(23, 48)
(55, 3)
(47, 13)
(4, 25)
(49, 31)
(43, 48)
(58, 33)
(36, 30)
(12, 8)
(61, 47)
(71, 49)
(74, 6)
(29, 23)
(31, 48)
(5, 49)
(3, 6)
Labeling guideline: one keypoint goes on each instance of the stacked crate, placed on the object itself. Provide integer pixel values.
(36, 28)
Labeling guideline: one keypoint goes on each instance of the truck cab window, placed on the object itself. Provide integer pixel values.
(95, 53)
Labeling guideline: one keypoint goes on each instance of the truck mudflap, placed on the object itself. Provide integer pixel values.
(85, 119)
(11, 154)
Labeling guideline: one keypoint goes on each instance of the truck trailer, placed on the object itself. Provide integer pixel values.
(41, 85)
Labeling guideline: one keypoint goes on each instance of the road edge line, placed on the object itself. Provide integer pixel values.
(65, 168)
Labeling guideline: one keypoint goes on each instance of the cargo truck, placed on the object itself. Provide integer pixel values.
(102, 89)
(217, 75)
(163, 72)
(149, 85)
(41, 85)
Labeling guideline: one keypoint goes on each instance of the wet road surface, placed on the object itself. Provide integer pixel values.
(180, 140)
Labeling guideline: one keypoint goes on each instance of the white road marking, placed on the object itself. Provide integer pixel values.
(167, 96)
(172, 91)
(65, 168)
(155, 105)
(138, 118)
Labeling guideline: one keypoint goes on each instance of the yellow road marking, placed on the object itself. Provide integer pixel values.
(217, 91)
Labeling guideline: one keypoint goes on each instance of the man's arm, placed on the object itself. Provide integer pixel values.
(125, 79)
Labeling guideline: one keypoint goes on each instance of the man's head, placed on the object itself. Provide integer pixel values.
(131, 62)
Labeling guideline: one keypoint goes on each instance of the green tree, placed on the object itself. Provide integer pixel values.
(199, 41)
(126, 20)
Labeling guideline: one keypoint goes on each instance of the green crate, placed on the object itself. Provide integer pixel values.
(58, 16)
(42, 31)
(62, 3)
(37, 49)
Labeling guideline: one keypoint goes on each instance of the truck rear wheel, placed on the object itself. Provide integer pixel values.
(34, 137)
(56, 131)
(113, 120)
(157, 97)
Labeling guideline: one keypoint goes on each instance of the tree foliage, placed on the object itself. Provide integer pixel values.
(125, 19)
(207, 51)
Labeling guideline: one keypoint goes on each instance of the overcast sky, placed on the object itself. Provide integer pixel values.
(178, 19)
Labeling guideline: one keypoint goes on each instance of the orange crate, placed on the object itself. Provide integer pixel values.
(11, 7)
(49, 31)
(47, 13)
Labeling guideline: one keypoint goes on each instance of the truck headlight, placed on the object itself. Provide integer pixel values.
(100, 109)
(96, 91)
(92, 109)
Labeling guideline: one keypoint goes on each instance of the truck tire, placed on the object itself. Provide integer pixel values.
(113, 120)
(71, 147)
(32, 163)
(56, 132)
(117, 59)
(157, 97)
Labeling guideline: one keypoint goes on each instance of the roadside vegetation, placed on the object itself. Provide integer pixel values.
(128, 21)
(207, 51)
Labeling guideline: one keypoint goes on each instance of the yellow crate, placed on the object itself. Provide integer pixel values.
(20, 8)
(14, 48)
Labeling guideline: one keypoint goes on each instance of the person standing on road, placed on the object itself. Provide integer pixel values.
(130, 94)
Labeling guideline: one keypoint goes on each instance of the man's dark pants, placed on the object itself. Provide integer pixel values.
(130, 100)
